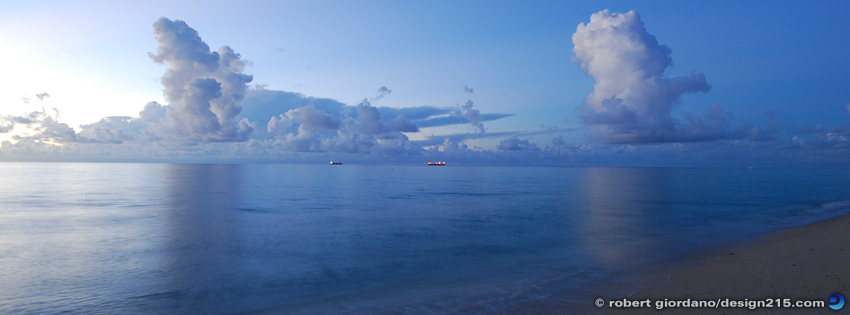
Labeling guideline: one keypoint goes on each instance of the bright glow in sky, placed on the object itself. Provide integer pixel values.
(743, 82)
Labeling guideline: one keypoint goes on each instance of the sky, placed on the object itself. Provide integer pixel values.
(572, 83)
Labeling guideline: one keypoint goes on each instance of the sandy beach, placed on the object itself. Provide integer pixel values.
(806, 263)
(803, 263)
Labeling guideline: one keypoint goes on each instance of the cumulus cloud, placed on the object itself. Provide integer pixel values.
(260, 105)
(368, 130)
(632, 100)
(203, 87)
(35, 117)
(515, 144)
(278, 125)
(472, 115)
(305, 140)
(325, 125)
(210, 111)
(8, 122)
(309, 117)
(401, 124)
(53, 129)
(458, 138)
(370, 121)
(120, 129)
(308, 121)
(114, 129)
(558, 141)
(42, 127)
(152, 112)
(362, 130)
(450, 146)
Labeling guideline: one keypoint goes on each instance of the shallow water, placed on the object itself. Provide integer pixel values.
(180, 238)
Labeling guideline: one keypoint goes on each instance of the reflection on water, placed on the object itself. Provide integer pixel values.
(152, 238)
(201, 230)
(619, 212)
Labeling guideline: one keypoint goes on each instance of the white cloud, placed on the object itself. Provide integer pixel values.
(203, 88)
(204, 119)
(472, 115)
(515, 144)
(312, 118)
(632, 100)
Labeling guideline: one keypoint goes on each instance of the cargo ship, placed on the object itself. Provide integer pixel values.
(336, 162)
(436, 163)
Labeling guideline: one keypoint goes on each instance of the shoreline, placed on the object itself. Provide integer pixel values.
(808, 262)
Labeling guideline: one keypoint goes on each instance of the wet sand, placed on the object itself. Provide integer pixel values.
(803, 263)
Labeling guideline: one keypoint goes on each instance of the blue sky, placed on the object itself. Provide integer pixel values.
(708, 84)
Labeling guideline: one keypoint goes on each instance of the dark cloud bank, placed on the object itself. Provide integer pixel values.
(212, 115)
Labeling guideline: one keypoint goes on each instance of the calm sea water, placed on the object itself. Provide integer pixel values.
(177, 238)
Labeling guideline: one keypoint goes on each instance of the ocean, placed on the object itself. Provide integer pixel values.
(115, 238)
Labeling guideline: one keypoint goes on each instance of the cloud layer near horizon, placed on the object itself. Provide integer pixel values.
(205, 90)
(212, 115)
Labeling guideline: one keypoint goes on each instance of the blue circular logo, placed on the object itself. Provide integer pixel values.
(836, 301)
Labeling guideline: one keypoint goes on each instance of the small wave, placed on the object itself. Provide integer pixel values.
(469, 194)
(161, 295)
(830, 207)
(252, 210)
(808, 214)
(405, 197)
